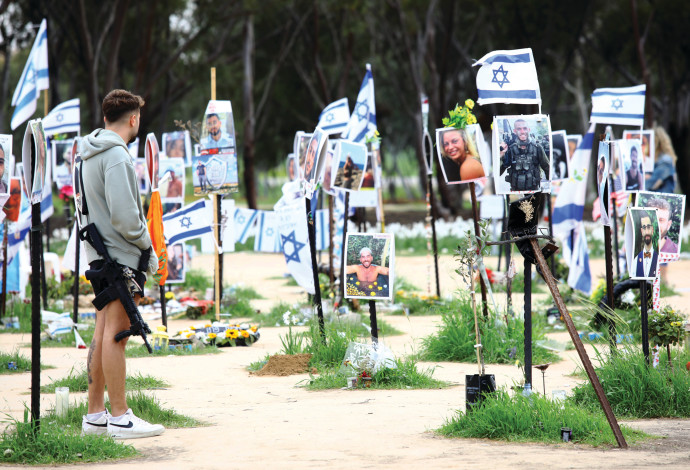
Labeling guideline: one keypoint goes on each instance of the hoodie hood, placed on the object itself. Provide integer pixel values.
(99, 141)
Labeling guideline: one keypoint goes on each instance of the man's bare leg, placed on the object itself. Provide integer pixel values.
(113, 356)
(94, 367)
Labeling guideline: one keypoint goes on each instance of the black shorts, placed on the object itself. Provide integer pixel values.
(101, 284)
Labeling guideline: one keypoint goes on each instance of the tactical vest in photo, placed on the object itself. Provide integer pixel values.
(523, 174)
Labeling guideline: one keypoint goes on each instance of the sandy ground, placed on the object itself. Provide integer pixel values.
(272, 422)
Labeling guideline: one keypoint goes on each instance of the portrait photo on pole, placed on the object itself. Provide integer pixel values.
(299, 148)
(218, 128)
(459, 155)
(573, 143)
(327, 180)
(178, 145)
(313, 161)
(13, 204)
(560, 156)
(171, 179)
(642, 242)
(369, 266)
(34, 157)
(670, 211)
(5, 162)
(215, 173)
(142, 177)
(152, 155)
(176, 263)
(292, 167)
(630, 164)
(351, 165)
(61, 154)
(646, 138)
(522, 153)
(603, 181)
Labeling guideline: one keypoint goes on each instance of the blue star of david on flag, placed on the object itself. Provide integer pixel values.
(296, 246)
(617, 104)
(362, 110)
(185, 222)
(504, 80)
(329, 117)
(363, 119)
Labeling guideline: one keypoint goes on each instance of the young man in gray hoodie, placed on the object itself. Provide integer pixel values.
(111, 194)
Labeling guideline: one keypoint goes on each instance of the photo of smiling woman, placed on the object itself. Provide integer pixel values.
(458, 155)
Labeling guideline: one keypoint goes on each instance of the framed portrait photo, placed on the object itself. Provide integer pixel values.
(459, 154)
(218, 128)
(603, 190)
(351, 165)
(176, 264)
(522, 154)
(171, 179)
(300, 149)
(642, 242)
(369, 266)
(630, 168)
(670, 210)
(178, 145)
(5, 162)
(560, 160)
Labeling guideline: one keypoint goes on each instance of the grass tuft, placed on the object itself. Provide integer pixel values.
(78, 381)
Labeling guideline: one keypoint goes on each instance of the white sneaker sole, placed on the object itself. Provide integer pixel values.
(123, 434)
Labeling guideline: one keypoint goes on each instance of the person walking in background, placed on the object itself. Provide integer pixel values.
(663, 178)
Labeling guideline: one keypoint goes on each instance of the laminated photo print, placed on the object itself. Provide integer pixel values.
(642, 242)
(328, 173)
(646, 139)
(522, 154)
(670, 211)
(459, 154)
(152, 155)
(630, 164)
(369, 267)
(178, 145)
(5, 162)
(143, 182)
(13, 204)
(351, 165)
(215, 174)
(176, 263)
(292, 166)
(299, 148)
(573, 143)
(62, 160)
(560, 160)
(171, 179)
(218, 129)
(313, 161)
(603, 181)
(34, 158)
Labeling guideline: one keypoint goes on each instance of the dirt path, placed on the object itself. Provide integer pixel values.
(272, 422)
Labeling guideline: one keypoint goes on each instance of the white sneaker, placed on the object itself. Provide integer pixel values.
(99, 426)
(132, 427)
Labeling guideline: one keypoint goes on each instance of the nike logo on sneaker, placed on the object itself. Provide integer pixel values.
(104, 425)
(128, 425)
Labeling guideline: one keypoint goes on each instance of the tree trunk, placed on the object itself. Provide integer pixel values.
(249, 118)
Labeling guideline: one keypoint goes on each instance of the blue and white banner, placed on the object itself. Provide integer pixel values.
(191, 221)
(624, 106)
(339, 223)
(34, 78)
(579, 274)
(267, 236)
(508, 77)
(63, 118)
(570, 202)
(322, 229)
(244, 222)
(363, 118)
(334, 117)
(292, 225)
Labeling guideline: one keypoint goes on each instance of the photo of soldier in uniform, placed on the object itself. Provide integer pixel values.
(369, 266)
(670, 210)
(642, 242)
(603, 181)
(646, 139)
(522, 153)
(458, 153)
(629, 154)
(560, 156)
(351, 166)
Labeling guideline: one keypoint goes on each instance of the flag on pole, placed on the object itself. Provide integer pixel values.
(334, 117)
(154, 222)
(244, 221)
(267, 236)
(63, 118)
(292, 225)
(624, 106)
(34, 78)
(322, 229)
(192, 221)
(579, 275)
(363, 118)
(570, 202)
(508, 77)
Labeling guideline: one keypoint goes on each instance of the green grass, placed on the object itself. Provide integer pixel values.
(23, 363)
(77, 381)
(502, 344)
(405, 376)
(57, 444)
(533, 419)
(636, 390)
(141, 351)
(21, 310)
(67, 340)
(258, 365)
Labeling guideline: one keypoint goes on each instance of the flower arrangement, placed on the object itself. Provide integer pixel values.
(218, 334)
(461, 116)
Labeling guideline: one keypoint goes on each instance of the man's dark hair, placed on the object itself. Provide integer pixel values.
(210, 115)
(117, 103)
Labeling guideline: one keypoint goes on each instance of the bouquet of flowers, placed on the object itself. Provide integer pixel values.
(461, 116)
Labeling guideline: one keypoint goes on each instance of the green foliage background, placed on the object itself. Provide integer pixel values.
(358, 241)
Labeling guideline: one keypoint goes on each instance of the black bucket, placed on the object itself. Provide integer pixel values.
(476, 386)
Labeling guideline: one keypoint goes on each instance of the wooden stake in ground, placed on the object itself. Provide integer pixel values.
(3, 294)
(475, 217)
(311, 230)
(216, 224)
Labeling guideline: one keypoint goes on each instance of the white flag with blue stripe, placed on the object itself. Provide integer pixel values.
(334, 117)
(63, 118)
(322, 229)
(34, 78)
(244, 222)
(267, 236)
(191, 221)
(292, 225)
(624, 106)
(570, 202)
(363, 118)
(579, 274)
(508, 77)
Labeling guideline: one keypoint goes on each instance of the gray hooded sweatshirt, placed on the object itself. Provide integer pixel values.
(112, 197)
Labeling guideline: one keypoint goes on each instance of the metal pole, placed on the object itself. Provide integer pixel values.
(373, 323)
(36, 250)
(343, 252)
(77, 254)
(317, 288)
(609, 287)
(528, 323)
(645, 320)
(331, 228)
(433, 233)
(164, 313)
(475, 216)
(3, 295)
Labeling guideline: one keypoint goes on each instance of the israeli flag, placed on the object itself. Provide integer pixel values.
(508, 77)
(624, 106)
(334, 117)
(192, 221)
(63, 118)
(579, 275)
(339, 224)
(363, 118)
(322, 229)
(34, 78)
(292, 226)
(267, 236)
(570, 202)
(244, 222)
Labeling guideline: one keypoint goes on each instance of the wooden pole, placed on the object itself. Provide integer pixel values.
(475, 216)
(528, 323)
(75, 287)
(331, 229)
(432, 215)
(216, 223)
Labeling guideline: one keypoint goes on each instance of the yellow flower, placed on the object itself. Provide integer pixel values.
(357, 283)
(189, 335)
(370, 286)
(469, 103)
(212, 335)
(169, 296)
(245, 334)
(208, 325)
(380, 288)
(253, 328)
(232, 334)
(373, 293)
(375, 283)
(471, 120)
